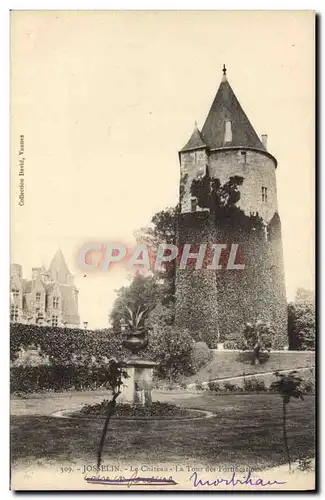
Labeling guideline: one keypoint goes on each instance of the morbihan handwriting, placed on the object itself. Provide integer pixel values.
(233, 481)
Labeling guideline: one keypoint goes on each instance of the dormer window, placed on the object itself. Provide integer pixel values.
(193, 204)
(228, 131)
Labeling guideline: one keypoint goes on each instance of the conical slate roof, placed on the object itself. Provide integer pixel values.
(195, 141)
(226, 107)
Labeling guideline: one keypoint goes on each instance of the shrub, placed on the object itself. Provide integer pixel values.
(308, 386)
(231, 344)
(257, 337)
(254, 385)
(305, 464)
(183, 384)
(228, 387)
(171, 347)
(201, 355)
(214, 386)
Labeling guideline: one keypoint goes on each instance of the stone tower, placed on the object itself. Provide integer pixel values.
(216, 304)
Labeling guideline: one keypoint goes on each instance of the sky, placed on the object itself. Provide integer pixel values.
(105, 100)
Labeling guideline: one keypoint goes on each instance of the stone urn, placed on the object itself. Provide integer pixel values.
(136, 341)
(137, 385)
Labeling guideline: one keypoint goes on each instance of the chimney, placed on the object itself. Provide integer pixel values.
(264, 140)
(16, 270)
(35, 271)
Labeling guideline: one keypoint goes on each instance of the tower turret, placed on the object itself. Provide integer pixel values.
(228, 147)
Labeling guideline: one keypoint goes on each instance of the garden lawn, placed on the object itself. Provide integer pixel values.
(246, 431)
(234, 364)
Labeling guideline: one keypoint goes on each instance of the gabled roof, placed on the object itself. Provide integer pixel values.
(226, 107)
(195, 141)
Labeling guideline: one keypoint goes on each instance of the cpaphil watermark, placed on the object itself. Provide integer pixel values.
(21, 173)
(216, 256)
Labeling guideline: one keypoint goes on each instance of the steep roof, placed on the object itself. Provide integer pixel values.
(226, 107)
(195, 141)
(58, 268)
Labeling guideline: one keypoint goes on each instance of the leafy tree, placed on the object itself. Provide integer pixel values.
(162, 229)
(159, 287)
(302, 321)
(288, 386)
(160, 316)
(144, 292)
(115, 375)
(258, 338)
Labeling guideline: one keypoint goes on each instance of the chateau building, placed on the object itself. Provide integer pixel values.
(49, 298)
(215, 304)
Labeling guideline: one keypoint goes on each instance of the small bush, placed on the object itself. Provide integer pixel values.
(231, 344)
(214, 386)
(305, 464)
(183, 384)
(200, 356)
(228, 387)
(308, 386)
(199, 386)
(254, 385)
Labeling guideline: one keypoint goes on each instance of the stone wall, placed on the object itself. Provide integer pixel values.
(257, 169)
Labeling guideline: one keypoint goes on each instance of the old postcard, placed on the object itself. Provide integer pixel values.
(162, 302)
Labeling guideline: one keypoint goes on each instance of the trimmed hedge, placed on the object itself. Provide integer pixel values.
(73, 358)
(27, 379)
(66, 345)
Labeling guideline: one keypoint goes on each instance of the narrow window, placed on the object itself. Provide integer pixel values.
(15, 293)
(54, 321)
(244, 156)
(14, 311)
(55, 302)
(264, 194)
(228, 131)
(193, 204)
(38, 297)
